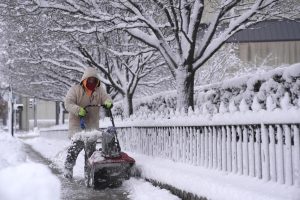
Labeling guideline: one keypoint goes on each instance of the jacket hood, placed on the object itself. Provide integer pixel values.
(89, 72)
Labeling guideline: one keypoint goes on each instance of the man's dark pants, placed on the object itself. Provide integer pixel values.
(74, 150)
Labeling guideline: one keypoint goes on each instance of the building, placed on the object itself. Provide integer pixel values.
(273, 43)
(47, 113)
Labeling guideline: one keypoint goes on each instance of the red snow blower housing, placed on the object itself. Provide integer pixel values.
(109, 166)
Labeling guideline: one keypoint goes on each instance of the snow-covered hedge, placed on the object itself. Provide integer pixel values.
(278, 88)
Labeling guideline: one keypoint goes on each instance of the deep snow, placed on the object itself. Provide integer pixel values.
(21, 178)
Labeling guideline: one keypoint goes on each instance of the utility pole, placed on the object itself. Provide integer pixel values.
(10, 104)
(10, 112)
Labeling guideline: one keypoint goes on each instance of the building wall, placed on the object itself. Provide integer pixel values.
(45, 111)
(272, 53)
(25, 114)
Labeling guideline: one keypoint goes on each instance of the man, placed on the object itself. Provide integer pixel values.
(88, 92)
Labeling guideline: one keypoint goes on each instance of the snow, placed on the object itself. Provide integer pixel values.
(269, 104)
(54, 148)
(22, 179)
(258, 89)
(28, 181)
(232, 108)
(212, 184)
(56, 127)
(222, 108)
(256, 105)
(293, 71)
(11, 152)
(285, 102)
(277, 116)
(215, 185)
(243, 106)
(142, 190)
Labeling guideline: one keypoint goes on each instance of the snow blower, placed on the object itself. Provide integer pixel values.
(108, 166)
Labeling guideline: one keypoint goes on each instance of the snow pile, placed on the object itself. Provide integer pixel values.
(28, 181)
(89, 136)
(11, 151)
(142, 190)
(278, 88)
(23, 180)
(216, 185)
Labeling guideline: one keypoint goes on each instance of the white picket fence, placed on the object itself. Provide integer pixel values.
(270, 152)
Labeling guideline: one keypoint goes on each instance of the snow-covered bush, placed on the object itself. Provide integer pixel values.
(161, 102)
(276, 89)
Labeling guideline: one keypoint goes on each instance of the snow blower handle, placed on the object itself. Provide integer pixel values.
(110, 115)
(82, 123)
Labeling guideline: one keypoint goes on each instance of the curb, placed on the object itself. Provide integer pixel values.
(178, 192)
(184, 195)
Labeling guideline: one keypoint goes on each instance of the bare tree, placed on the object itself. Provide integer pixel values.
(187, 33)
(51, 62)
(26, 42)
(122, 64)
(222, 65)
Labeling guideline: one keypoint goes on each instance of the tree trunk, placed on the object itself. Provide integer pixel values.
(127, 105)
(185, 89)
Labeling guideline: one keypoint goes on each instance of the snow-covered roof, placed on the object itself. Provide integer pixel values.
(269, 31)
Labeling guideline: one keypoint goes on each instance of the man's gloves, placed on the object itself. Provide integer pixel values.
(82, 112)
(108, 104)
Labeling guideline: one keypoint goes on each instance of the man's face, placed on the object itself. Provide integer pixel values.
(91, 83)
